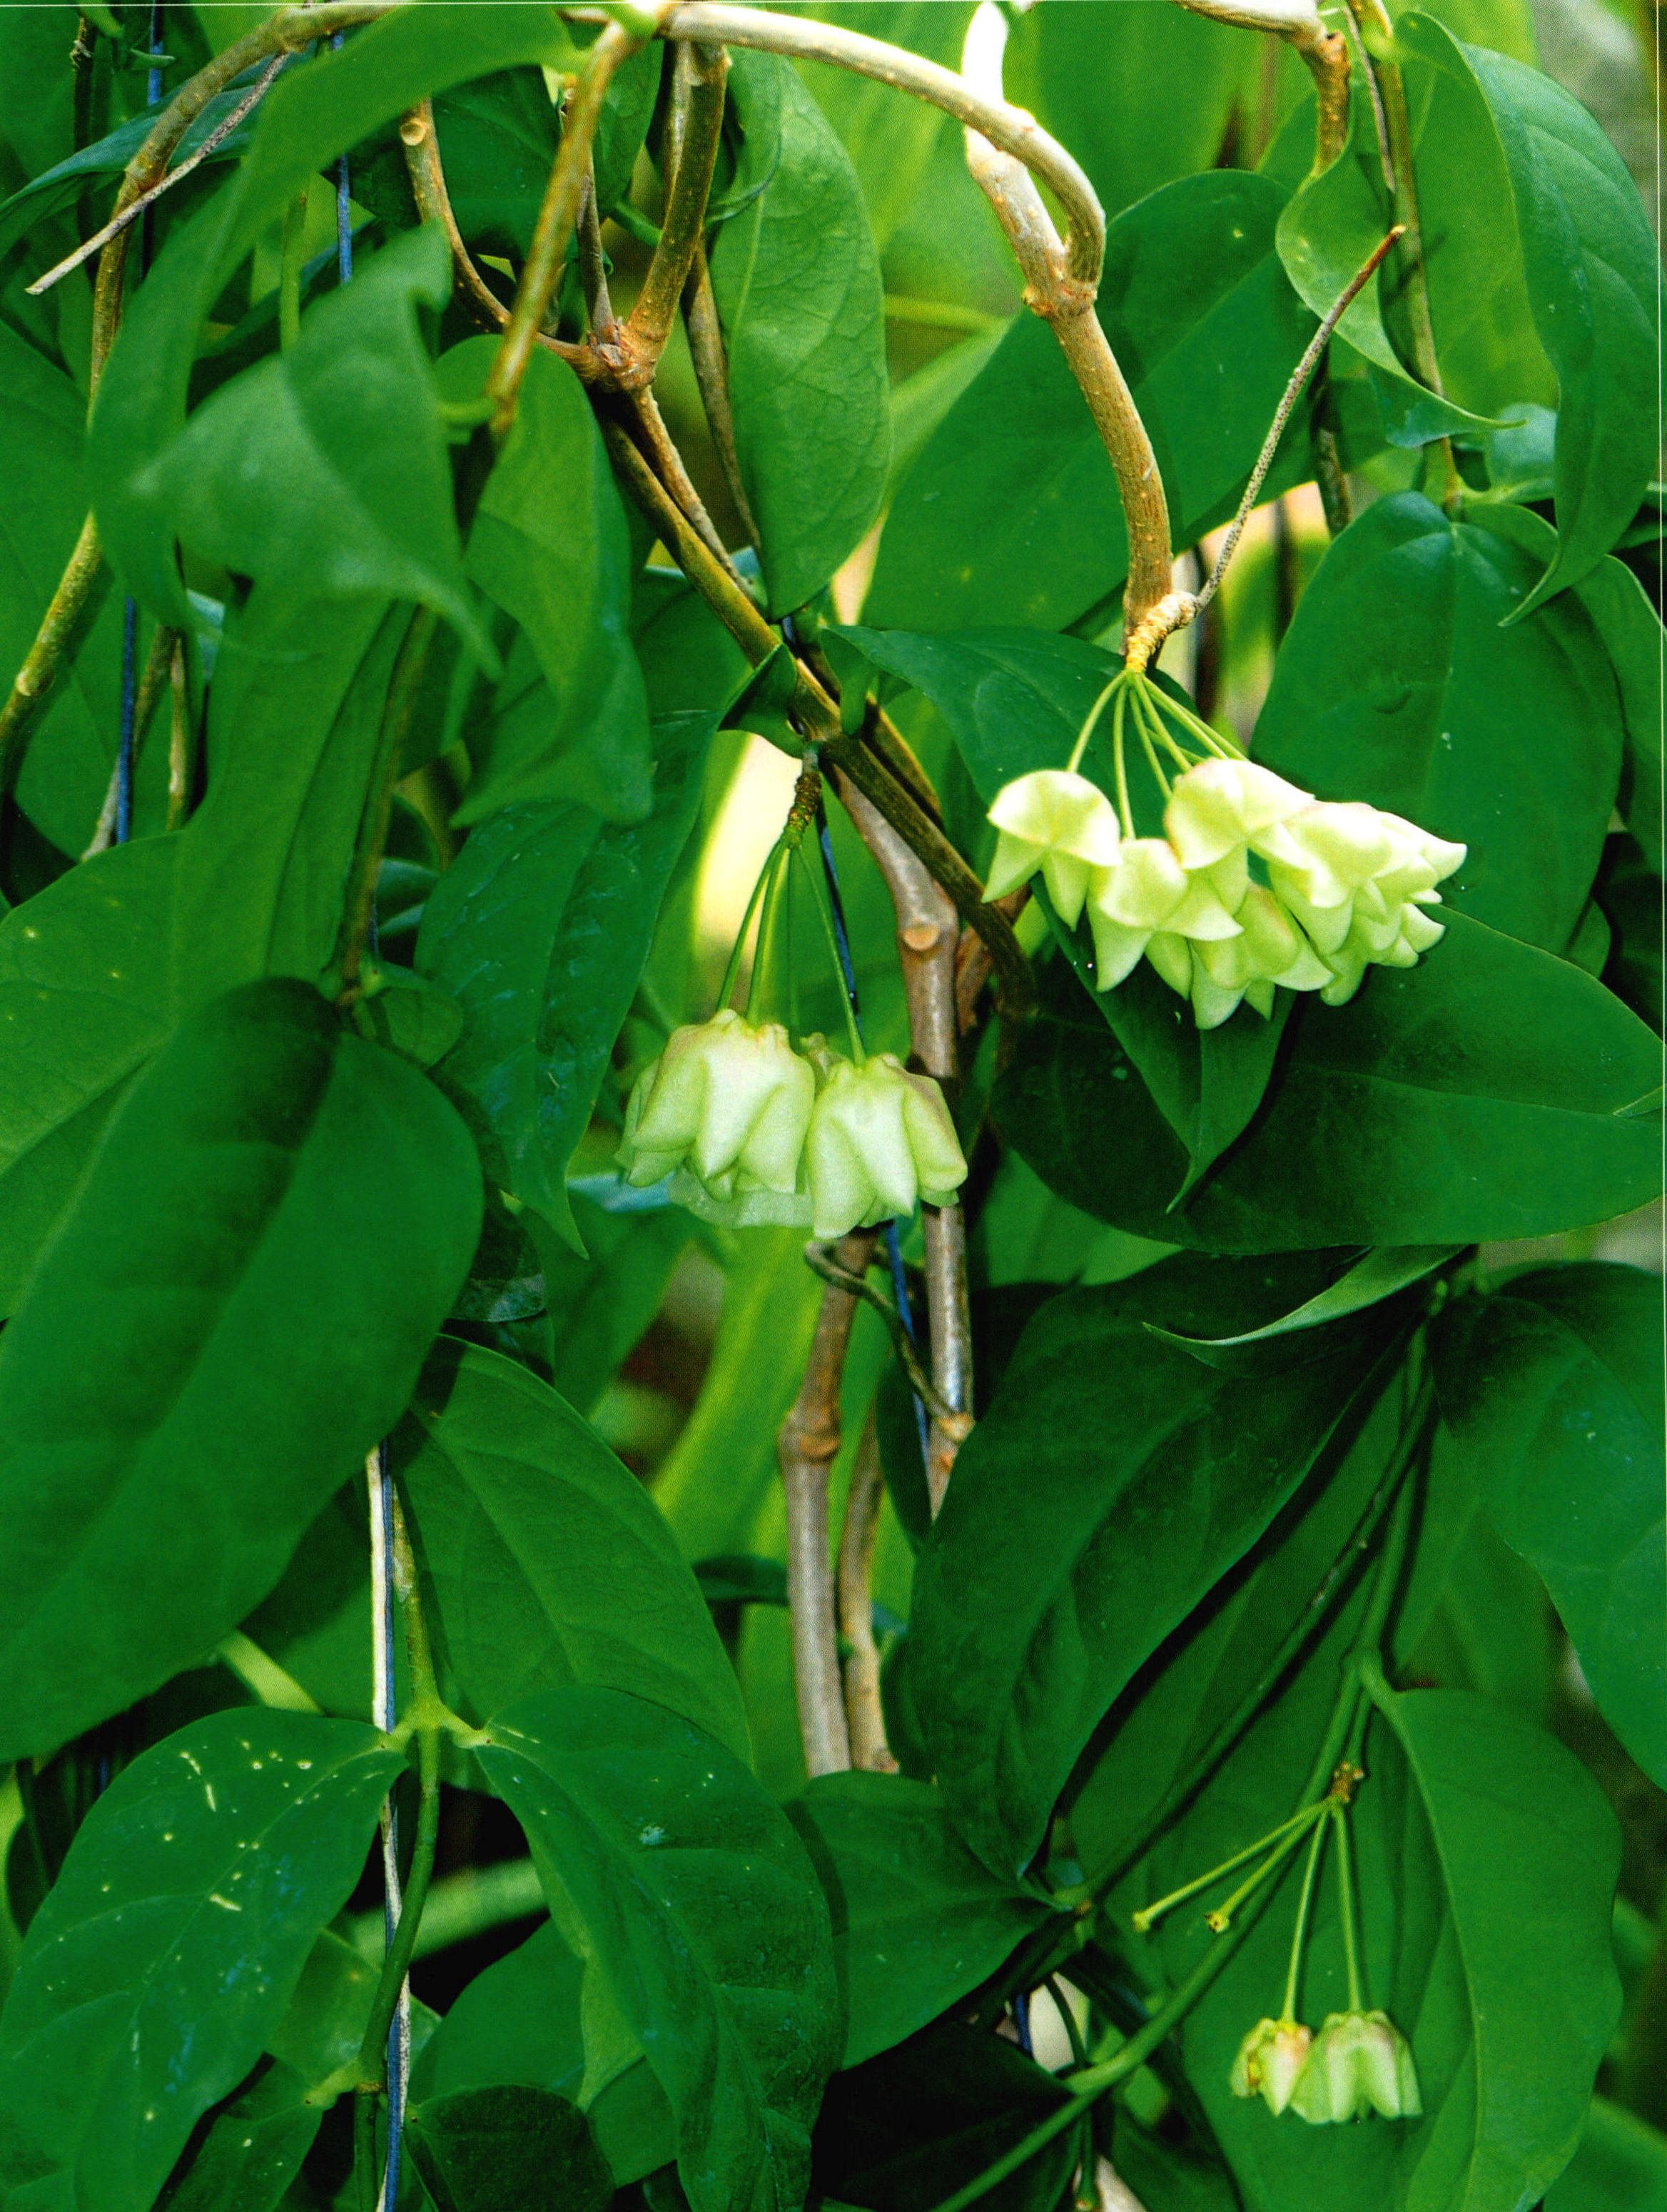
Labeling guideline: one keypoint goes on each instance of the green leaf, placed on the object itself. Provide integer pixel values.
(1372, 1278)
(1334, 221)
(688, 1891)
(1033, 1605)
(917, 1921)
(253, 2149)
(1620, 2165)
(497, 140)
(550, 546)
(1012, 513)
(1553, 1388)
(338, 99)
(1396, 684)
(310, 1204)
(507, 2149)
(546, 1561)
(1631, 634)
(1488, 1092)
(1486, 1857)
(891, 140)
(628, 109)
(1593, 282)
(1088, 76)
(326, 468)
(170, 1945)
(912, 2126)
(540, 931)
(65, 767)
(797, 280)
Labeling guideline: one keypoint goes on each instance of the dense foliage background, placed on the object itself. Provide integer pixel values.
(395, 750)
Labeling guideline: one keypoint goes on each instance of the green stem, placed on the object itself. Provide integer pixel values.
(1150, 1913)
(1222, 1918)
(738, 950)
(1346, 1904)
(292, 258)
(814, 877)
(557, 217)
(62, 628)
(769, 924)
(396, 714)
(1126, 812)
(1288, 2008)
(942, 315)
(1094, 713)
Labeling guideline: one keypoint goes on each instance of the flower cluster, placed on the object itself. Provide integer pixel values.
(1254, 884)
(1358, 2063)
(751, 1131)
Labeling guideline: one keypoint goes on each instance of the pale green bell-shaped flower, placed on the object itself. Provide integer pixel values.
(1328, 850)
(1218, 806)
(726, 1101)
(1358, 2063)
(880, 1140)
(1270, 2060)
(1137, 894)
(1057, 823)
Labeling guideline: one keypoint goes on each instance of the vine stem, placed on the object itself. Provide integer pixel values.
(557, 217)
(360, 904)
(693, 125)
(1061, 292)
(865, 1712)
(1324, 53)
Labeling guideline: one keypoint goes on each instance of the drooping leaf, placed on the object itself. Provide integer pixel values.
(917, 1921)
(252, 2150)
(547, 1562)
(797, 280)
(1396, 684)
(1372, 1278)
(1593, 282)
(1110, 1483)
(325, 467)
(1553, 1386)
(1487, 1092)
(693, 1902)
(550, 546)
(171, 1944)
(316, 112)
(507, 2149)
(1011, 514)
(540, 931)
(274, 1227)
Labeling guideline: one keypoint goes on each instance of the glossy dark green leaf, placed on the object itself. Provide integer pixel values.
(1397, 684)
(1486, 1859)
(507, 2149)
(65, 768)
(902, 2132)
(325, 467)
(522, 2021)
(407, 1013)
(547, 1562)
(1631, 634)
(797, 280)
(497, 140)
(273, 1228)
(171, 1944)
(1012, 513)
(1485, 1093)
(1373, 1278)
(1333, 223)
(1086, 72)
(550, 546)
(1593, 283)
(540, 932)
(1620, 2165)
(1110, 1483)
(702, 1917)
(917, 1921)
(252, 2150)
(336, 100)
(1553, 1386)
(627, 112)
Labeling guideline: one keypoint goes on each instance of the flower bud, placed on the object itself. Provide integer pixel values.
(1219, 805)
(1270, 2060)
(727, 1101)
(1360, 2063)
(1059, 822)
(879, 1138)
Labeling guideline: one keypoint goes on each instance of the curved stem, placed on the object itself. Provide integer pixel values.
(1288, 2004)
(706, 350)
(1323, 52)
(558, 216)
(693, 128)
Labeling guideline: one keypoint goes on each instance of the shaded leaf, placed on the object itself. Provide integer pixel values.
(251, 2151)
(690, 1894)
(170, 1946)
(273, 1228)
(1620, 2165)
(507, 2149)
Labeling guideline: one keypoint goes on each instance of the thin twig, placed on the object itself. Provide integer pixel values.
(134, 209)
(818, 1258)
(693, 127)
(807, 1444)
(666, 462)
(592, 260)
(706, 350)
(152, 684)
(61, 629)
(865, 1715)
(1300, 376)
(555, 227)
(1055, 289)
